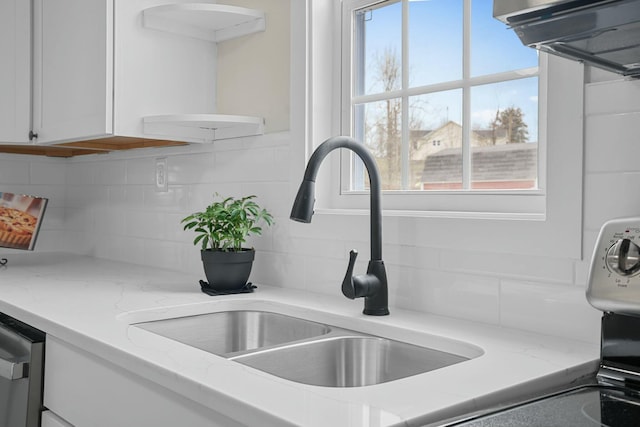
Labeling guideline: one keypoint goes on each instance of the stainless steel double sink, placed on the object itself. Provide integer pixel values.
(301, 350)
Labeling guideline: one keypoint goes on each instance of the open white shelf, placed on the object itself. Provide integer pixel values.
(212, 22)
(202, 127)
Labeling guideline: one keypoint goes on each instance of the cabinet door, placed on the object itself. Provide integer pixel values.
(87, 390)
(15, 72)
(73, 69)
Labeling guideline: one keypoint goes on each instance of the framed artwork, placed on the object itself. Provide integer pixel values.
(20, 220)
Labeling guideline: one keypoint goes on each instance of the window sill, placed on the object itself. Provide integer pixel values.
(504, 216)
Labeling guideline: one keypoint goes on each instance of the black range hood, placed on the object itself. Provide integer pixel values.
(603, 33)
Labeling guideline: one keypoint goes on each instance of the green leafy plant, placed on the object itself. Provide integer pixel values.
(226, 224)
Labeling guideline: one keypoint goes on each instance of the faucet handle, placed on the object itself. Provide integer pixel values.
(348, 287)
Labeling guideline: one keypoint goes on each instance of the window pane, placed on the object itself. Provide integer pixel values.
(435, 41)
(435, 134)
(504, 136)
(415, 133)
(494, 47)
(381, 131)
(377, 49)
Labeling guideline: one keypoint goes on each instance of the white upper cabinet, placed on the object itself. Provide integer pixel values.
(108, 73)
(72, 69)
(15, 72)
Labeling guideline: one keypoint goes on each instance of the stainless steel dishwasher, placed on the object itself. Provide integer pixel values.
(21, 373)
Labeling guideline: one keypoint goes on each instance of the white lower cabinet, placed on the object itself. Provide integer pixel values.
(85, 390)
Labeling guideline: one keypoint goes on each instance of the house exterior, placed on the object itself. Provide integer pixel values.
(505, 166)
(436, 159)
(449, 135)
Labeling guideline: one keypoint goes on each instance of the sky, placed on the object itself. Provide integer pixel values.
(435, 56)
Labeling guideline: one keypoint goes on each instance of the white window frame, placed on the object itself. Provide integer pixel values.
(521, 202)
(555, 230)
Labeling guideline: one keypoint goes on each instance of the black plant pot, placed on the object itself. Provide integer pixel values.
(227, 271)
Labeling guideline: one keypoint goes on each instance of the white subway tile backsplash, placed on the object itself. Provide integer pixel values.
(155, 226)
(612, 97)
(80, 173)
(325, 275)
(134, 196)
(611, 142)
(243, 166)
(141, 170)
(280, 269)
(401, 231)
(342, 227)
(79, 196)
(462, 296)
(113, 172)
(111, 221)
(549, 309)
(260, 164)
(508, 265)
(13, 172)
(610, 195)
(316, 248)
(79, 219)
(117, 196)
(282, 164)
(411, 256)
(50, 172)
(141, 224)
(193, 168)
(174, 200)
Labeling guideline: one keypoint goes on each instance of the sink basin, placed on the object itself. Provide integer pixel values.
(301, 350)
(348, 361)
(230, 332)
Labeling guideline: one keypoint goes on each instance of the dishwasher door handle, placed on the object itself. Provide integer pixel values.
(13, 370)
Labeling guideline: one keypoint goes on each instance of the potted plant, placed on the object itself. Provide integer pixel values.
(222, 229)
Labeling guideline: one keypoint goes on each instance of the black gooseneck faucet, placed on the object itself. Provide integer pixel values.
(372, 285)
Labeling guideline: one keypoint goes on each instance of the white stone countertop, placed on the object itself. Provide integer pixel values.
(90, 303)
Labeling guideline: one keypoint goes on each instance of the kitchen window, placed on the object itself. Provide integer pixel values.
(543, 219)
(447, 99)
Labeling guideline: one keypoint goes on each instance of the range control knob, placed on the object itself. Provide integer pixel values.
(624, 257)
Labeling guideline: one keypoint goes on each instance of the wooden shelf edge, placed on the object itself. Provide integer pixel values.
(94, 146)
(46, 150)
